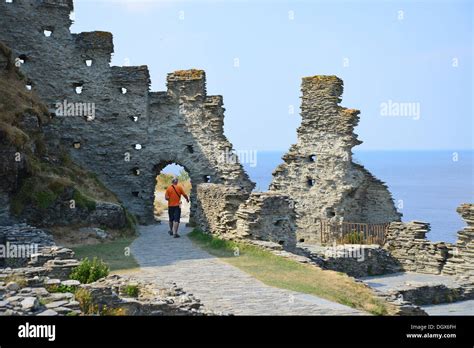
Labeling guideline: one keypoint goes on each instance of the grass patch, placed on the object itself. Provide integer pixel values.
(283, 273)
(112, 253)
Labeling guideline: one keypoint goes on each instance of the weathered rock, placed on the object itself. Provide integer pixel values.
(12, 286)
(30, 303)
(407, 243)
(48, 313)
(318, 172)
(352, 259)
(461, 262)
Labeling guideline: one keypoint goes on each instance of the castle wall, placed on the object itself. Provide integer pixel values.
(462, 261)
(408, 244)
(228, 212)
(318, 172)
(181, 125)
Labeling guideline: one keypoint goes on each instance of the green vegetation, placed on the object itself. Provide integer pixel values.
(84, 297)
(61, 288)
(112, 253)
(90, 271)
(283, 273)
(131, 290)
(83, 201)
(20, 280)
(354, 238)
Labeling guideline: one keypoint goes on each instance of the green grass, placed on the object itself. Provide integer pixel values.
(112, 253)
(283, 273)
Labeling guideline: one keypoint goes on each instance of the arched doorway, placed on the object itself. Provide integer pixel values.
(165, 173)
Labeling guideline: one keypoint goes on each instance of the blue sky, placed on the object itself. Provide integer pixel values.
(398, 51)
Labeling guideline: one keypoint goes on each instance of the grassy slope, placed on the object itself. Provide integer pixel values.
(283, 273)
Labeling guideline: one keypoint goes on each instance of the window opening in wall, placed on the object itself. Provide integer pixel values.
(135, 193)
(137, 147)
(207, 178)
(77, 145)
(312, 158)
(9, 1)
(123, 90)
(22, 58)
(47, 32)
(78, 87)
(136, 171)
(190, 148)
(88, 62)
(311, 182)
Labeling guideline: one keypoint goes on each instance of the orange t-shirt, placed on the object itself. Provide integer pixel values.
(173, 197)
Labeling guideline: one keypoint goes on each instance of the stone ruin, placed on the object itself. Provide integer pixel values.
(126, 134)
(133, 133)
(318, 172)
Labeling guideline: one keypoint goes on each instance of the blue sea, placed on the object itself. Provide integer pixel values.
(431, 184)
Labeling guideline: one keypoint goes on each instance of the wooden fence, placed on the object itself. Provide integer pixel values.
(352, 233)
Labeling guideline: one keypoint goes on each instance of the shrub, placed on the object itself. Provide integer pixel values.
(354, 238)
(84, 297)
(61, 288)
(131, 290)
(90, 271)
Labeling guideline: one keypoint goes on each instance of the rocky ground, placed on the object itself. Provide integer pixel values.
(42, 287)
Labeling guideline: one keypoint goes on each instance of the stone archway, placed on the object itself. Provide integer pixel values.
(194, 177)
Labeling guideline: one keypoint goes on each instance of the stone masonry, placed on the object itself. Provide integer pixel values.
(318, 172)
(229, 213)
(128, 134)
(461, 263)
(408, 244)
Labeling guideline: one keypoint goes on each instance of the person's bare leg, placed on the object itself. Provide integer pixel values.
(175, 228)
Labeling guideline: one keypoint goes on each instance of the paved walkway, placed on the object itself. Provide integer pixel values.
(220, 287)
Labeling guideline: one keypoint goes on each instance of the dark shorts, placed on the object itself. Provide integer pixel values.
(174, 213)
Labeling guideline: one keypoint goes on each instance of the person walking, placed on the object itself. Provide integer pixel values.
(173, 196)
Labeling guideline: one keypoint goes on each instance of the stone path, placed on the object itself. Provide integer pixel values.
(456, 308)
(220, 287)
(407, 280)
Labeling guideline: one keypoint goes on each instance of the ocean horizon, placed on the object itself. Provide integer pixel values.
(427, 185)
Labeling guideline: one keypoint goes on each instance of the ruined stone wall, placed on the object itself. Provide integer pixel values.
(135, 133)
(318, 172)
(228, 212)
(267, 216)
(407, 243)
(462, 262)
(217, 206)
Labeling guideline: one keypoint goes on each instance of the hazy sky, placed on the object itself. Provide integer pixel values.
(386, 52)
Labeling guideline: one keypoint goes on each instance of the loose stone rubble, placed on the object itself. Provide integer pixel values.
(42, 287)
